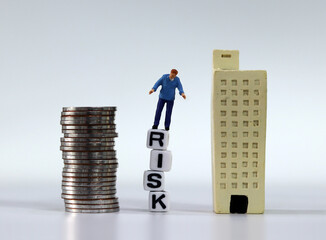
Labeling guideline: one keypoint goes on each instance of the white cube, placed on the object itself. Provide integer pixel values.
(154, 181)
(157, 139)
(159, 201)
(161, 160)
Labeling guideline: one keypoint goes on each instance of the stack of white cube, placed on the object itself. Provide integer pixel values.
(160, 162)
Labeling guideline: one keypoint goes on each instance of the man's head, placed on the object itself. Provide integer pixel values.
(173, 73)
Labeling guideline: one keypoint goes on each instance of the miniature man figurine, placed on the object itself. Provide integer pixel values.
(167, 94)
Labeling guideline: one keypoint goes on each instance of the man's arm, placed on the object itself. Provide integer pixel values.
(156, 85)
(180, 88)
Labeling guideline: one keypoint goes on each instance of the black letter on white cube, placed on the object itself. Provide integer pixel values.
(154, 181)
(157, 139)
(161, 160)
(159, 201)
(156, 136)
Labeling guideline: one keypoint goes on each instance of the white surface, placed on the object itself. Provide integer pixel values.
(32, 212)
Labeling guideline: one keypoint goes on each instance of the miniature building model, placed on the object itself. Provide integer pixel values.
(238, 117)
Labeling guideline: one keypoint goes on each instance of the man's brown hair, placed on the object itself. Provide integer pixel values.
(175, 71)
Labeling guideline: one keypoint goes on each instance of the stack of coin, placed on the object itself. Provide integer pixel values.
(90, 163)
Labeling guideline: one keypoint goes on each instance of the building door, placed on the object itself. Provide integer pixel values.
(238, 204)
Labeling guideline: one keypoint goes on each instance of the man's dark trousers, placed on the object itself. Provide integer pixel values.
(168, 113)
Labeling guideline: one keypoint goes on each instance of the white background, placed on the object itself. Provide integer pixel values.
(99, 53)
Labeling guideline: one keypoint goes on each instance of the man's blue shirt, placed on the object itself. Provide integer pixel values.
(168, 87)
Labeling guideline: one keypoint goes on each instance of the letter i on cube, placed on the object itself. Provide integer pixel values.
(161, 160)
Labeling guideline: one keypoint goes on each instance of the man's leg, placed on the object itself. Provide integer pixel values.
(159, 108)
(168, 114)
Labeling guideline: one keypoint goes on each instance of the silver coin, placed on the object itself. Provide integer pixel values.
(96, 206)
(100, 119)
(90, 127)
(91, 188)
(75, 174)
(91, 181)
(111, 183)
(89, 170)
(87, 139)
(87, 144)
(86, 153)
(89, 178)
(87, 122)
(111, 196)
(87, 197)
(88, 113)
(114, 163)
(83, 131)
(90, 158)
(89, 174)
(110, 210)
(89, 131)
(91, 161)
(82, 181)
(110, 171)
(108, 201)
(90, 154)
(103, 183)
(90, 207)
(86, 149)
(87, 118)
(90, 135)
(86, 192)
(86, 179)
(91, 166)
(79, 121)
(90, 184)
(68, 109)
(109, 167)
(86, 188)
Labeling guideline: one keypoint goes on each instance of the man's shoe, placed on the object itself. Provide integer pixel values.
(167, 128)
(154, 127)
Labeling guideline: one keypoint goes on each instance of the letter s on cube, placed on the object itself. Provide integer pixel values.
(154, 180)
